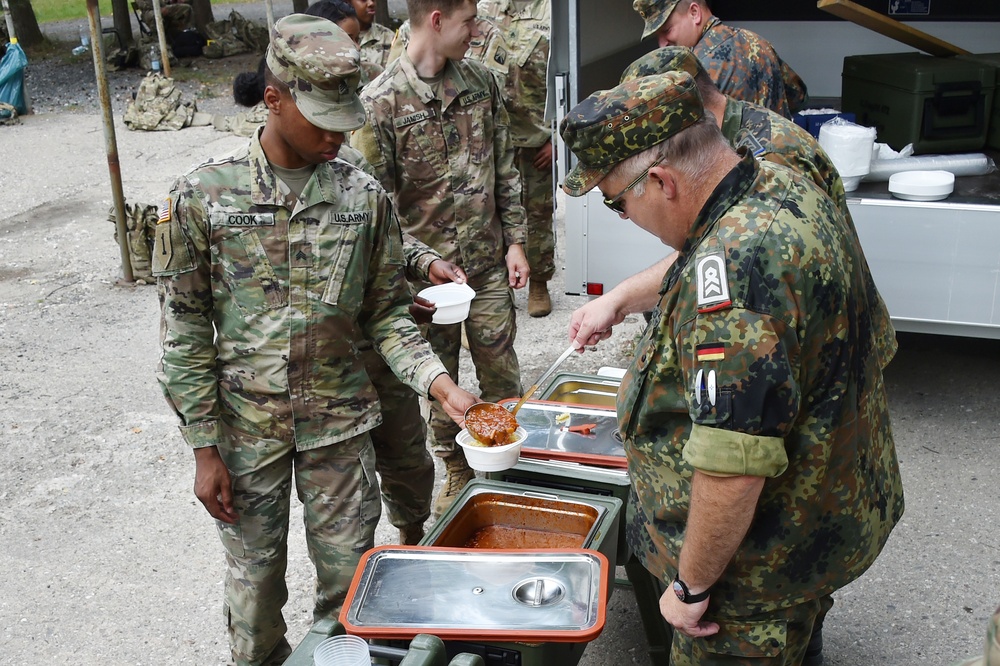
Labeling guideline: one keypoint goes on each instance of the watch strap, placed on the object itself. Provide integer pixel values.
(684, 594)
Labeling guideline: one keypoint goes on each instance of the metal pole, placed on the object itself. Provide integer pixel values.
(269, 7)
(13, 40)
(161, 35)
(114, 167)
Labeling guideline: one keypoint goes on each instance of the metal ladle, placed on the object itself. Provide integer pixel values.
(491, 407)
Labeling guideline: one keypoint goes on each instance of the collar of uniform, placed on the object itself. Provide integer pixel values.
(709, 24)
(732, 117)
(731, 188)
(367, 36)
(263, 182)
(452, 80)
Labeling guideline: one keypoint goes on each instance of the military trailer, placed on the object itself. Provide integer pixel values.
(936, 263)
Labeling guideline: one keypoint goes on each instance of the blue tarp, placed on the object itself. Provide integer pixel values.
(12, 77)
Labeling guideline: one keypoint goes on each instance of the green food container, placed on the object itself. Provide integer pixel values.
(993, 133)
(940, 105)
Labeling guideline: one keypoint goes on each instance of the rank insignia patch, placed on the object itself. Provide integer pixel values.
(713, 285)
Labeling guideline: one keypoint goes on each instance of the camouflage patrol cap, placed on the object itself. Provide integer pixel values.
(661, 61)
(321, 65)
(612, 125)
(655, 13)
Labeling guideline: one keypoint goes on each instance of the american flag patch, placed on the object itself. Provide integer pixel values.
(710, 351)
(164, 213)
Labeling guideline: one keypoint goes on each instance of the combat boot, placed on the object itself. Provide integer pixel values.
(458, 474)
(539, 303)
(410, 535)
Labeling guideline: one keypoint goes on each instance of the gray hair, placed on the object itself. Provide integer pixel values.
(689, 151)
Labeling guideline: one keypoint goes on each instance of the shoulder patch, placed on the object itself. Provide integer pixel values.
(163, 215)
(713, 283)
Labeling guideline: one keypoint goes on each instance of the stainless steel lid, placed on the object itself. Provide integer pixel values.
(559, 431)
(525, 596)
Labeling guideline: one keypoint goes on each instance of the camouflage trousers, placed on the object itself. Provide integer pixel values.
(536, 197)
(339, 493)
(404, 465)
(777, 638)
(490, 329)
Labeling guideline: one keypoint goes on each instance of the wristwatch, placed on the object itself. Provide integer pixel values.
(684, 594)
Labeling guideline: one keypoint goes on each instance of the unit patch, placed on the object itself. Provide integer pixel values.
(500, 56)
(409, 119)
(473, 97)
(713, 285)
(221, 219)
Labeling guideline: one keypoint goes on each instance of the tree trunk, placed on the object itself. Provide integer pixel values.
(201, 11)
(25, 23)
(121, 12)
(299, 6)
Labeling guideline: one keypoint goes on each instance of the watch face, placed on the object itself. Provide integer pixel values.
(679, 590)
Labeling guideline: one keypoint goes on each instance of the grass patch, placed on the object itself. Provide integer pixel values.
(68, 10)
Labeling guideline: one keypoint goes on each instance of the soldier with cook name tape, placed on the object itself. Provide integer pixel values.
(270, 261)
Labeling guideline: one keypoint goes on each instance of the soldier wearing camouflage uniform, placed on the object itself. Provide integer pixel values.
(438, 137)
(518, 51)
(743, 64)
(269, 261)
(767, 136)
(375, 39)
(763, 469)
(176, 15)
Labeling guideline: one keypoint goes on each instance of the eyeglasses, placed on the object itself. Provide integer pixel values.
(615, 202)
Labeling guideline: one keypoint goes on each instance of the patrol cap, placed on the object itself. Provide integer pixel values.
(320, 64)
(655, 13)
(661, 61)
(612, 125)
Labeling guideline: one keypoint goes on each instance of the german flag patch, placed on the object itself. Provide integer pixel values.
(710, 351)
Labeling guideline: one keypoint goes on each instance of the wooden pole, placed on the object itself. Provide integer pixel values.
(111, 143)
(162, 37)
(269, 7)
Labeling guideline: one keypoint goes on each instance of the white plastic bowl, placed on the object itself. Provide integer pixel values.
(452, 301)
(922, 185)
(343, 650)
(491, 458)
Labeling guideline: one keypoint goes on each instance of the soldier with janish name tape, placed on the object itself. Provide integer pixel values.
(754, 414)
(270, 261)
(438, 137)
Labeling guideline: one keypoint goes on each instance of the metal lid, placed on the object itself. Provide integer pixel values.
(526, 596)
(554, 433)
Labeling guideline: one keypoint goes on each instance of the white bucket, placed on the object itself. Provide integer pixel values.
(850, 147)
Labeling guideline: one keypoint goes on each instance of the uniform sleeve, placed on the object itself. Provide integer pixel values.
(419, 258)
(385, 318)
(375, 141)
(186, 371)
(507, 189)
(743, 396)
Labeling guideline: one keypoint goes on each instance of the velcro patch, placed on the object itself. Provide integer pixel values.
(409, 119)
(222, 219)
(357, 217)
(163, 215)
(473, 97)
(713, 284)
(710, 351)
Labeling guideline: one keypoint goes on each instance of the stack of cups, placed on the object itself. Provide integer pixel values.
(343, 650)
(850, 147)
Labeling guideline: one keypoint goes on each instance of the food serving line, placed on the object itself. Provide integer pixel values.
(519, 570)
